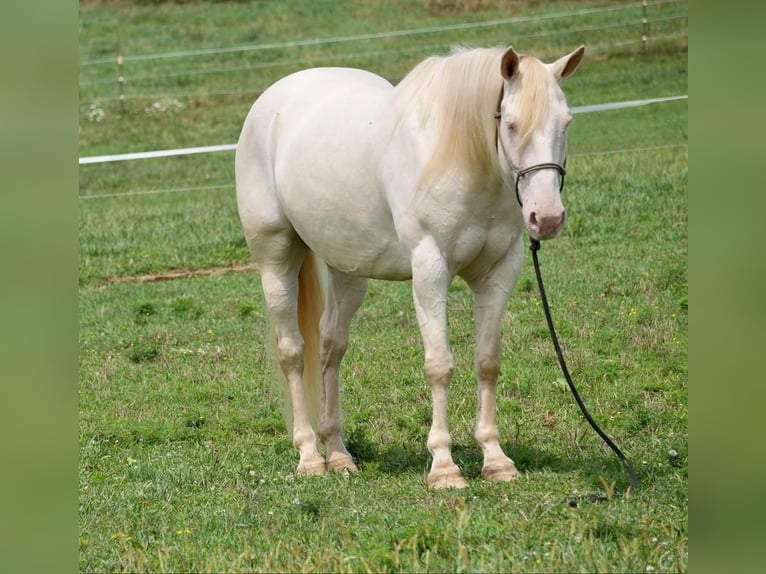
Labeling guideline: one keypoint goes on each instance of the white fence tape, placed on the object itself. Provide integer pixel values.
(627, 104)
(231, 147)
(231, 185)
(158, 153)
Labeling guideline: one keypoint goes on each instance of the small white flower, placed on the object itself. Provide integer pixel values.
(95, 112)
(164, 105)
(672, 453)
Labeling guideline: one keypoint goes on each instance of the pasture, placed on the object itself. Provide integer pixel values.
(185, 461)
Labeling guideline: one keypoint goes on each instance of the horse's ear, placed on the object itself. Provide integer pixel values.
(509, 64)
(565, 67)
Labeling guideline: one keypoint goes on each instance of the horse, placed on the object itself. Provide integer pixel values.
(342, 177)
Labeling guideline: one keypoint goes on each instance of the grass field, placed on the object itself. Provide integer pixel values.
(185, 462)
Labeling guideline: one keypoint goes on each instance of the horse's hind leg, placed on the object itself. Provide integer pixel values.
(280, 261)
(344, 296)
(280, 255)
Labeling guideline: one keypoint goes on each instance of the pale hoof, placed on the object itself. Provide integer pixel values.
(341, 463)
(446, 478)
(500, 473)
(313, 468)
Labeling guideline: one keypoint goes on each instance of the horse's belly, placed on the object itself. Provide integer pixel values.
(356, 237)
(338, 210)
(388, 264)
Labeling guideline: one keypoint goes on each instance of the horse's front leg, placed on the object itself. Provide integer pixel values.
(430, 281)
(491, 294)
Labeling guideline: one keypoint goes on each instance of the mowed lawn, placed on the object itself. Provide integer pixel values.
(185, 461)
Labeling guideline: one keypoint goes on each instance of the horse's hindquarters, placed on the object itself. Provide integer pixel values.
(327, 131)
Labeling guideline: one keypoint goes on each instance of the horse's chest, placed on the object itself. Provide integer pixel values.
(467, 244)
(486, 241)
(467, 233)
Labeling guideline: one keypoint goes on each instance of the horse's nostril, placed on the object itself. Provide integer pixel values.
(533, 218)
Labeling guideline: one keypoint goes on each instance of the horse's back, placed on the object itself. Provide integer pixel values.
(313, 84)
(297, 98)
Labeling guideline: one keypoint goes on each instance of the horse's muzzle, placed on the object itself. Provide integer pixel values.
(545, 226)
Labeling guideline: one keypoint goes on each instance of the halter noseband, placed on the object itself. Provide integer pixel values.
(523, 172)
(520, 173)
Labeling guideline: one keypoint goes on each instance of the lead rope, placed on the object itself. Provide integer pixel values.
(534, 246)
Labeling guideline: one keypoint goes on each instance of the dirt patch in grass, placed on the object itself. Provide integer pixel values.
(183, 273)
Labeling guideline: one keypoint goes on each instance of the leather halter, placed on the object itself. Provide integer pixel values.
(521, 173)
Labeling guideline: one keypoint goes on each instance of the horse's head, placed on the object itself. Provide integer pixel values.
(532, 136)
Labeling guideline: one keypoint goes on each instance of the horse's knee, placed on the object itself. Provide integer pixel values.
(439, 369)
(333, 349)
(487, 368)
(290, 353)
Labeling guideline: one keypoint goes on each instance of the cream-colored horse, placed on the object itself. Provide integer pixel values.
(430, 179)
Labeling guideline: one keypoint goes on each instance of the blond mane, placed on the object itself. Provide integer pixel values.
(458, 96)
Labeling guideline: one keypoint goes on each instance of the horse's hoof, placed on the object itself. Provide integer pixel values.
(446, 478)
(312, 468)
(500, 473)
(341, 463)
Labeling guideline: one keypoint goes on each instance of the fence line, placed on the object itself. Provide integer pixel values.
(231, 185)
(157, 191)
(353, 55)
(229, 147)
(627, 150)
(625, 104)
(257, 90)
(156, 154)
(360, 37)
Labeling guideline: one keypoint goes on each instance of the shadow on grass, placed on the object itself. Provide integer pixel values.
(408, 457)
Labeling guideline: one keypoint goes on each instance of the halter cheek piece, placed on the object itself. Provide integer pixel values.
(521, 173)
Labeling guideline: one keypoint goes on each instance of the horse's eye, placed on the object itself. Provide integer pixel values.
(511, 127)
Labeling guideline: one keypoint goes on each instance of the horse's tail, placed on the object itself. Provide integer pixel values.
(310, 307)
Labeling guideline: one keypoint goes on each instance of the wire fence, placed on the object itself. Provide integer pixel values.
(361, 37)
(149, 78)
(99, 83)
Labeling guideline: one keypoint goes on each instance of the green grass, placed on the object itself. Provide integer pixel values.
(185, 462)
